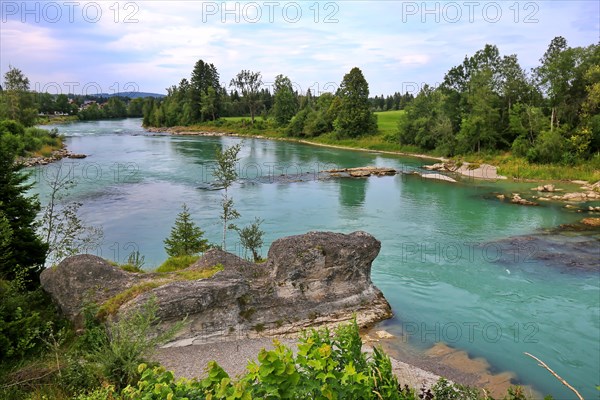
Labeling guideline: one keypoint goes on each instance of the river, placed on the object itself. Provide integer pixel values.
(442, 266)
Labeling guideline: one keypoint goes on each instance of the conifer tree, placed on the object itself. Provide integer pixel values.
(186, 238)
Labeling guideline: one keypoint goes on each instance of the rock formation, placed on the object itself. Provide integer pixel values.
(308, 280)
(517, 199)
(362, 172)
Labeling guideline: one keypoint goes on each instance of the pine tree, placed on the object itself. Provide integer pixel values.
(28, 251)
(186, 238)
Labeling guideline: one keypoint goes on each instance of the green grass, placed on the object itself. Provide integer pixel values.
(387, 121)
(519, 168)
(237, 119)
(177, 263)
(112, 305)
(56, 119)
(195, 274)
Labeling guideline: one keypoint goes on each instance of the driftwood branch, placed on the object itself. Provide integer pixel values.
(35, 378)
(543, 364)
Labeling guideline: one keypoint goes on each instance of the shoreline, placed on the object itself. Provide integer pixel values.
(56, 155)
(233, 356)
(476, 171)
(175, 131)
(412, 367)
(483, 172)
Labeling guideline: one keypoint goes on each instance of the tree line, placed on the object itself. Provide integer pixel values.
(202, 99)
(19, 103)
(490, 103)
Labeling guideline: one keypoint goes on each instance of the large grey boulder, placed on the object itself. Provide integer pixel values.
(319, 278)
(82, 278)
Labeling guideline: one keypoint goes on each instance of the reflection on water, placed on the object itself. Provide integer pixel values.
(353, 192)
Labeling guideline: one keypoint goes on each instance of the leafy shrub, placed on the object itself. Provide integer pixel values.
(326, 367)
(548, 148)
(521, 146)
(446, 390)
(12, 126)
(26, 320)
(122, 345)
(29, 140)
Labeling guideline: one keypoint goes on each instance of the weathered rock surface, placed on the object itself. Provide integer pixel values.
(558, 248)
(363, 172)
(439, 177)
(477, 171)
(517, 199)
(79, 278)
(308, 280)
(546, 188)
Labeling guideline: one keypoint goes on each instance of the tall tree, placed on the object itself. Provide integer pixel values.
(209, 104)
(355, 117)
(555, 75)
(20, 210)
(286, 103)
(60, 225)
(17, 101)
(204, 76)
(249, 83)
(480, 126)
(62, 104)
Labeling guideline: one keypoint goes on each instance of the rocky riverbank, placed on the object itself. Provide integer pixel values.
(476, 171)
(190, 362)
(577, 201)
(44, 160)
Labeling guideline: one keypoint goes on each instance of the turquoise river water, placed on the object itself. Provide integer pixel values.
(444, 265)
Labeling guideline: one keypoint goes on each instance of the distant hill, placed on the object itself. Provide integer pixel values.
(132, 95)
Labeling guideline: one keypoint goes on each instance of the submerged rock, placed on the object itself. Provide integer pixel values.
(591, 221)
(517, 199)
(569, 247)
(546, 188)
(363, 172)
(439, 177)
(308, 280)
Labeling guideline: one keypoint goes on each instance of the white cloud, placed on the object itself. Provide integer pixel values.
(29, 42)
(392, 47)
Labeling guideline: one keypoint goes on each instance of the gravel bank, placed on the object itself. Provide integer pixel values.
(191, 361)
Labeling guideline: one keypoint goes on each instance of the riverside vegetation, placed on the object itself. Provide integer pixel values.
(45, 357)
(18, 102)
(538, 124)
(541, 124)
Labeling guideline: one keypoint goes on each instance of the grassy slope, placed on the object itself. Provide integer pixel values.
(508, 165)
(388, 121)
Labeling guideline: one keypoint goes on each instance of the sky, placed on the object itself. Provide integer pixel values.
(88, 47)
